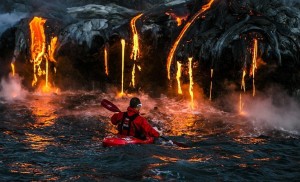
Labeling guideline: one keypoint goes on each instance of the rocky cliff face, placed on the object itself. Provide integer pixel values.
(220, 38)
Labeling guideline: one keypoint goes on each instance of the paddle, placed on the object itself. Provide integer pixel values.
(111, 107)
(176, 143)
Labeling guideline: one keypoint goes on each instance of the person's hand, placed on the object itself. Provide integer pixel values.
(159, 131)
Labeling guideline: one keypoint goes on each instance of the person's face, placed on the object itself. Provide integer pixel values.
(138, 107)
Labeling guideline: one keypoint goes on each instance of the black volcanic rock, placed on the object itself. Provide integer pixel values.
(221, 39)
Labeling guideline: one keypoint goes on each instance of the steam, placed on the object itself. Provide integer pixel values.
(11, 89)
(276, 111)
(8, 20)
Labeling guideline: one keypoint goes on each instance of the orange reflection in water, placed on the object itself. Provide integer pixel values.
(25, 168)
(43, 108)
(38, 142)
(183, 126)
(166, 158)
(28, 168)
(263, 159)
(200, 159)
(250, 140)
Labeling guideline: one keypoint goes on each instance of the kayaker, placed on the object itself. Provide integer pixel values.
(130, 123)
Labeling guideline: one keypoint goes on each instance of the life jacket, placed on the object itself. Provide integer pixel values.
(124, 126)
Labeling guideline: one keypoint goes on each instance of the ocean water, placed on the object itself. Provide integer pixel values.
(59, 137)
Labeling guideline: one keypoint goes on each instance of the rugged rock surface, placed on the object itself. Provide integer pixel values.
(220, 39)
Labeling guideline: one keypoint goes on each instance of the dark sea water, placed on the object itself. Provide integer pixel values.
(59, 137)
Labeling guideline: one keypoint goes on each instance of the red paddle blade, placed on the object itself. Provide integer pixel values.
(109, 106)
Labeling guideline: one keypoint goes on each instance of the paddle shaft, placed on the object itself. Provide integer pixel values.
(176, 143)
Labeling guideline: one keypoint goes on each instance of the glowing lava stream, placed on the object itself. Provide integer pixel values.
(106, 61)
(178, 75)
(135, 49)
(12, 69)
(243, 87)
(51, 50)
(254, 65)
(178, 19)
(211, 76)
(38, 44)
(185, 28)
(133, 75)
(123, 56)
(191, 82)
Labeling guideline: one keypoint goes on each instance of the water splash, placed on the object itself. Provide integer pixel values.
(11, 89)
(274, 112)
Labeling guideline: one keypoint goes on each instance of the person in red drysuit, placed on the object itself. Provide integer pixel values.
(130, 123)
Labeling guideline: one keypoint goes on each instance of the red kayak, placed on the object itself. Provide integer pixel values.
(119, 140)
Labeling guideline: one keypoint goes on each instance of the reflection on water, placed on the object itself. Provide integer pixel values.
(38, 142)
(165, 158)
(58, 138)
(250, 140)
(43, 108)
(25, 168)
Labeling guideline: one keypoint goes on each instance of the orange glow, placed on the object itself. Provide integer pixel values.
(250, 140)
(139, 67)
(178, 77)
(178, 19)
(133, 76)
(254, 65)
(191, 82)
(211, 76)
(185, 28)
(12, 69)
(106, 61)
(135, 48)
(52, 48)
(47, 74)
(243, 85)
(123, 56)
(241, 104)
(38, 44)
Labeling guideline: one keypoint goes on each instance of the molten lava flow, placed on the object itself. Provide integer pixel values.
(51, 49)
(254, 65)
(178, 19)
(243, 85)
(135, 48)
(12, 69)
(38, 44)
(139, 67)
(133, 75)
(46, 85)
(178, 77)
(191, 82)
(106, 60)
(211, 76)
(123, 56)
(185, 28)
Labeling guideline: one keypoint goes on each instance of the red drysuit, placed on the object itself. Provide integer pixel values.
(139, 127)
